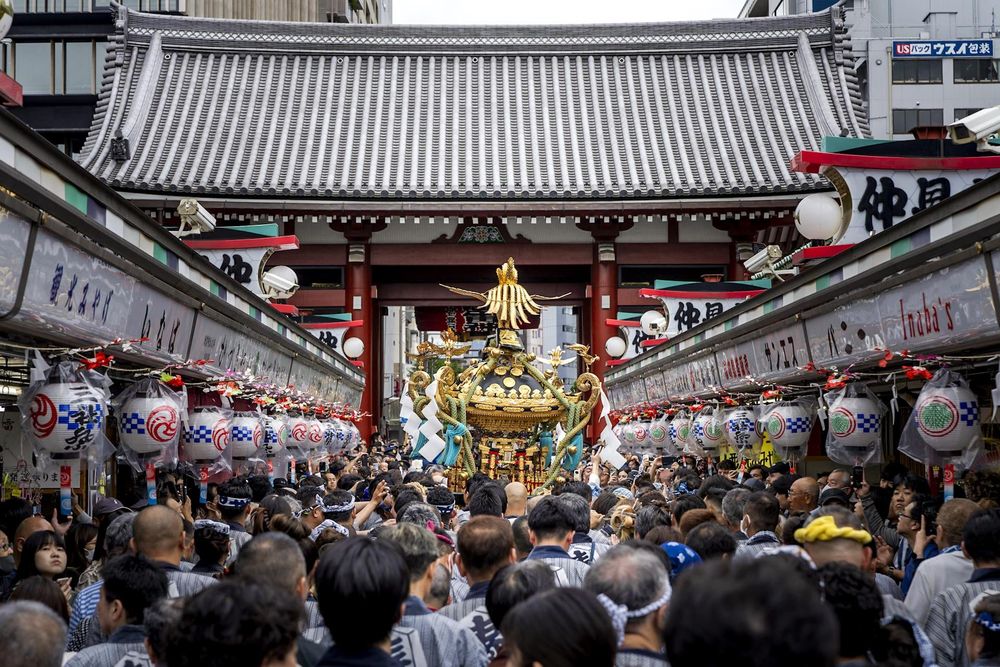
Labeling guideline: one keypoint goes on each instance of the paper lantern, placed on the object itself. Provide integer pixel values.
(275, 436)
(298, 432)
(658, 434)
(615, 347)
(947, 418)
(245, 435)
(679, 431)
(789, 425)
(65, 418)
(708, 432)
(314, 434)
(856, 422)
(353, 347)
(146, 424)
(640, 431)
(206, 434)
(628, 433)
(741, 429)
(330, 435)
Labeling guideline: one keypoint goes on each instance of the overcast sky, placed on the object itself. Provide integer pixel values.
(479, 12)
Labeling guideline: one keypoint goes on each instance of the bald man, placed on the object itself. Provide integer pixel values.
(804, 495)
(517, 500)
(158, 534)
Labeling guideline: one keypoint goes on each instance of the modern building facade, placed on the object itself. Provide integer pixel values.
(904, 90)
(57, 48)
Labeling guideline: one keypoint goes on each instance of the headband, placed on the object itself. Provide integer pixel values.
(211, 526)
(445, 509)
(622, 492)
(335, 509)
(328, 523)
(620, 613)
(825, 529)
(231, 502)
(985, 619)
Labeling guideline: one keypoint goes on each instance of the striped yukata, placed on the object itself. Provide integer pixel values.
(760, 542)
(634, 657)
(182, 584)
(404, 644)
(127, 638)
(586, 549)
(895, 610)
(471, 613)
(443, 640)
(85, 604)
(568, 572)
(949, 616)
(314, 619)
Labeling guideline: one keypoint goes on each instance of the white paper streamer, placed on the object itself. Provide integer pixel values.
(431, 428)
(410, 419)
(610, 452)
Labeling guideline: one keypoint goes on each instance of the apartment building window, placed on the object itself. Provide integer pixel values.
(904, 120)
(980, 70)
(962, 113)
(55, 67)
(916, 71)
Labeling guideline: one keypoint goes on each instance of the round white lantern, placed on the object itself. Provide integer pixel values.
(616, 347)
(245, 434)
(789, 426)
(206, 434)
(148, 423)
(741, 429)
(275, 436)
(314, 434)
(947, 418)
(708, 432)
(329, 435)
(298, 433)
(628, 433)
(65, 418)
(658, 434)
(679, 431)
(641, 433)
(353, 347)
(653, 323)
(353, 435)
(819, 217)
(856, 422)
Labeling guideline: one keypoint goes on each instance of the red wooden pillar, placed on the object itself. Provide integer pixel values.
(358, 292)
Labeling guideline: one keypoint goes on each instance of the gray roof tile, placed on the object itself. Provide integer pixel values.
(516, 112)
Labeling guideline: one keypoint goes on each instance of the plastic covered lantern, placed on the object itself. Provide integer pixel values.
(679, 431)
(314, 433)
(658, 434)
(945, 423)
(63, 415)
(275, 436)
(789, 425)
(246, 434)
(854, 436)
(206, 434)
(298, 433)
(708, 432)
(330, 435)
(149, 421)
(741, 429)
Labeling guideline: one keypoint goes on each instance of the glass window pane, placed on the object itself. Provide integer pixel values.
(33, 67)
(937, 117)
(79, 68)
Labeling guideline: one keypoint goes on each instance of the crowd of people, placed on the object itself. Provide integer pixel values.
(374, 561)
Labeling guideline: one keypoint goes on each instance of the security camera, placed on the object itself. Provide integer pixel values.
(981, 127)
(763, 259)
(279, 282)
(195, 219)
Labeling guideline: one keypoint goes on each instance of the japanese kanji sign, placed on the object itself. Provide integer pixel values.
(959, 48)
(686, 310)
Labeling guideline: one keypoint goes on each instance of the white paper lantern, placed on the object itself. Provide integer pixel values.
(615, 347)
(640, 431)
(947, 418)
(658, 434)
(789, 426)
(819, 217)
(314, 434)
(353, 347)
(206, 434)
(65, 418)
(298, 432)
(679, 431)
(856, 422)
(741, 429)
(708, 432)
(245, 435)
(330, 435)
(275, 436)
(146, 424)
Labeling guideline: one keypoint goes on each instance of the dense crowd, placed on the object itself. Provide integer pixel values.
(369, 562)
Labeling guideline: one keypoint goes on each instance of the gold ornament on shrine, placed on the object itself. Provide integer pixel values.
(500, 414)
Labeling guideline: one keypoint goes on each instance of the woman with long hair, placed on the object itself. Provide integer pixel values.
(44, 554)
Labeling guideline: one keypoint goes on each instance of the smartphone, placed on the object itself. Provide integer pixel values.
(857, 477)
(49, 503)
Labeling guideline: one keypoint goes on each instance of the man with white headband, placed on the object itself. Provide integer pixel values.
(235, 504)
(632, 583)
(339, 509)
